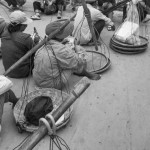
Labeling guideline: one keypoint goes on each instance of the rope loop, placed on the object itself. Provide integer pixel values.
(51, 119)
(46, 123)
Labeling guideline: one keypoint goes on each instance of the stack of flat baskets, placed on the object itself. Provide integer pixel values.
(124, 48)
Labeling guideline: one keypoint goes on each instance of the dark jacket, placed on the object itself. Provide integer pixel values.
(14, 46)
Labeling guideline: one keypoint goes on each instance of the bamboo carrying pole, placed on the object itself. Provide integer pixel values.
(35, 138)
(39, 45)
(88, 16)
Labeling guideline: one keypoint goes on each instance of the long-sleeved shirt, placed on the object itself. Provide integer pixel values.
(81, 28)
(53, 59)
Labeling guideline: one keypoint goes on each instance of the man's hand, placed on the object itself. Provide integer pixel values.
(111, 28)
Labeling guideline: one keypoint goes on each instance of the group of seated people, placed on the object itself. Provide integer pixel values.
(54, 63)
(49, 7)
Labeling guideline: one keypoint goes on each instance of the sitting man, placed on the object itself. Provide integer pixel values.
(55, 62)
(15, 44)
(105, 4)
(47, 7)
(81, 28)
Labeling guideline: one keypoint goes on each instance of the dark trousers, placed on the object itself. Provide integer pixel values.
(37, 5)
(11, 2)
(8, 96)
(98, 27)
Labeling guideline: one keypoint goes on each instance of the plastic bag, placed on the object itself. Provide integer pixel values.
(128, 32)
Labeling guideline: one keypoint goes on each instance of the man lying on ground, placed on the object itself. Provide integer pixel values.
(47, 7)
(55, 62)
(15, 44)
(81, 28)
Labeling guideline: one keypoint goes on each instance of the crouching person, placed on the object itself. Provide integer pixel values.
(81, 28)
(15, 44)
(55, 62)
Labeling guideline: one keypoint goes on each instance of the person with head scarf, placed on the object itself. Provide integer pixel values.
(15, 43)
(55, 62)
(81, 28)
(47, 7)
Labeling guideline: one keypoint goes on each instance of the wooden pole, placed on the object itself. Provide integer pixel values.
(39, 45)
(90, 23)
(35, 138)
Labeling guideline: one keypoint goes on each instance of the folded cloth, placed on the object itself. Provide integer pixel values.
(5, 84)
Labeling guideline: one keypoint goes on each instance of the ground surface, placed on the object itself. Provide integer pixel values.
(112, 114)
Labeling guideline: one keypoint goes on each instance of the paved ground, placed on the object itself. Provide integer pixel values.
(113, 113)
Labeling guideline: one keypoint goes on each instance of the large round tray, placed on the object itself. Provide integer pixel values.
(58, 97)
(126, 52)
(97, 62)
(128, 48)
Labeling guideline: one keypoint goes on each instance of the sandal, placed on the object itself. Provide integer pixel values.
(35, 17)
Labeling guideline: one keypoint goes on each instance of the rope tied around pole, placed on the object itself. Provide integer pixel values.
(49, 122)
(51, 128)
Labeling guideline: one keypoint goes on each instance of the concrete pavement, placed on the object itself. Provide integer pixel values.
(112, 114)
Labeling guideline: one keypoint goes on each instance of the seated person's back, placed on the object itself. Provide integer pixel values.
(15, 44)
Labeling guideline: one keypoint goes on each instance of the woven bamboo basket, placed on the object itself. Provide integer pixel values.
(57, 96)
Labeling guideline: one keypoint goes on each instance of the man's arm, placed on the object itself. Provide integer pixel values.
(107, 20)
(68, 59)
